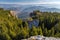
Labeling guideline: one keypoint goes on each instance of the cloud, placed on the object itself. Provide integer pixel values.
(30, 3)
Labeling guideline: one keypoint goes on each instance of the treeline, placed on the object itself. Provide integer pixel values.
(12, 28)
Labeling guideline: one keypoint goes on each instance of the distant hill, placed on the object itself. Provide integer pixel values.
(28, 10)
(41, 8)
(23, 11)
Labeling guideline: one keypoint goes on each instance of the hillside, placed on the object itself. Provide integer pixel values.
(23, 11)
(8, 25)
(38, 23)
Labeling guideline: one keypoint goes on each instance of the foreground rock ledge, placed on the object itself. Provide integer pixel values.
(41, 38)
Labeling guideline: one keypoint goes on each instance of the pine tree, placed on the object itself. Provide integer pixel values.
(39, 30)
(33, 31)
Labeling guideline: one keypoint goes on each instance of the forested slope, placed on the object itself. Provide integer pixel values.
(12, 28)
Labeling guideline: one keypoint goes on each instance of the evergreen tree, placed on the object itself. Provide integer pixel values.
(33, 31)
(39, 30)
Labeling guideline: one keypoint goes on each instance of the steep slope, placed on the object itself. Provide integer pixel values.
(8, 25)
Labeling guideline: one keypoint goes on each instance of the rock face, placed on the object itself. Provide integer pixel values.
(13, 13)
(41, 38)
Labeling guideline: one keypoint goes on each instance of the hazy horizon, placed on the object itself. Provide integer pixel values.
(47, 3)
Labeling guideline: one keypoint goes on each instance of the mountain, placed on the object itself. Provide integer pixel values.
(28, 8)
(41, 8)
(23, 11)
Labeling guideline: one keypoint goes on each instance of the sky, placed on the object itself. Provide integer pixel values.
(48, 3)
(29, 1)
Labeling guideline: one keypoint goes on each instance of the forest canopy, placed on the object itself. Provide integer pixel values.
(13, 28)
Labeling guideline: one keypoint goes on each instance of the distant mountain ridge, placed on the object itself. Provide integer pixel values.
(23, 11)
(27, 11)
(28, 8)
(41, 8)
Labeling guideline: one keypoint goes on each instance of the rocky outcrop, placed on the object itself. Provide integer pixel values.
(41, 38)
(13, 13)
